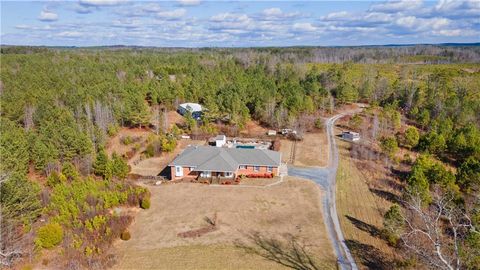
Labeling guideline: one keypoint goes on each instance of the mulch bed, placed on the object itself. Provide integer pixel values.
(197, 232)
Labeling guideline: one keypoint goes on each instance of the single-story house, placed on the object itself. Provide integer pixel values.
(350, 136)
(194, 108)
(208, 162)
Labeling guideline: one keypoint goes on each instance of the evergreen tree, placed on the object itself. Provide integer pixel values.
(120, 167)
(468, 175)
(14, 154)
(389, 146)
(100, 164)
(411, 137)
(69, 171)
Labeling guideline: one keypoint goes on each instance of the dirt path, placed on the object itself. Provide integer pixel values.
(326, 178)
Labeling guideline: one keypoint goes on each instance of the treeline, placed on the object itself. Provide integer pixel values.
(395, 54)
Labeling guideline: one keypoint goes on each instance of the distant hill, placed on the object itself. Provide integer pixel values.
(120, 46)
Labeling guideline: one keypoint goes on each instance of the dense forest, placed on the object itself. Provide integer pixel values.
(60, 105)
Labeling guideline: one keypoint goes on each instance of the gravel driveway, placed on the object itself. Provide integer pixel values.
(326, 178)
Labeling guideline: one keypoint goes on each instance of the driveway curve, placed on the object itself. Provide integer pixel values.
(326, 179)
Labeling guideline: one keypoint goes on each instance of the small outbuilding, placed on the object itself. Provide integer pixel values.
(351, 136)
(271, 132)
(194, 108)
(220, 140)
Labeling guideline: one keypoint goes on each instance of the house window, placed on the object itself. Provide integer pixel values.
(256, 168)
(228, 174)
(269, 169)
(178, 171)
(243, 167)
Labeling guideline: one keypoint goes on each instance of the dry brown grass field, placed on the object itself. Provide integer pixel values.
(292, 207)
(311, 151)
(361, 213)
(254, 129)
(286, 149)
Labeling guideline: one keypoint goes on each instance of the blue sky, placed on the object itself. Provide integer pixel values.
(201, 23)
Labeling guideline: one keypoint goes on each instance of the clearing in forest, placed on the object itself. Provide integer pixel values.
(155, 165)
(137, 135)
(311, 151)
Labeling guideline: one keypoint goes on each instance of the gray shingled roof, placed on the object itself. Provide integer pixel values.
(208, 158)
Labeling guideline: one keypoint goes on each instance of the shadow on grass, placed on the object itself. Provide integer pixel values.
(369, 256)
(401, 174)
(387, 195)
(288, 251)
(372, 230)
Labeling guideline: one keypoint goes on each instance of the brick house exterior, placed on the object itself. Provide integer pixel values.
(209, 162)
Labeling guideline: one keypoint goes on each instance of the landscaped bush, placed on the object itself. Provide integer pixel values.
(125, 235)
(145, 204)
(49, 235)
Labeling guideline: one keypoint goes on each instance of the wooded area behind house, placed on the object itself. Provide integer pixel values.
(59, 106)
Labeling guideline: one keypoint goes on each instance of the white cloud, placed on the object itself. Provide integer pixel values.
(153, 22)
(397, 5)
(457, 8)
(229, 17)
(100, 3)
(276, 14)
(457, 33)
(338, 16)
(47, 16)
(272, 12)
(82, 9)
(127, 24)
(69, 34)
(452, 5)
(189, 2)
(152, 7)
(172, 14)
(33, 28)
(415, 24)
(304, 27)
(449, 33)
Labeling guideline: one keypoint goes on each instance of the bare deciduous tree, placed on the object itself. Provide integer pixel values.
(434, 232)
(28, 117)
(103, 116)
(156, 119)
(14, 243)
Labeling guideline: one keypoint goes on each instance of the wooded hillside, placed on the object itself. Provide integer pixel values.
(58, 107)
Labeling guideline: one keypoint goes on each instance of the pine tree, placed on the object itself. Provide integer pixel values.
(119, 166)
(411, 137)
(100, 164)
